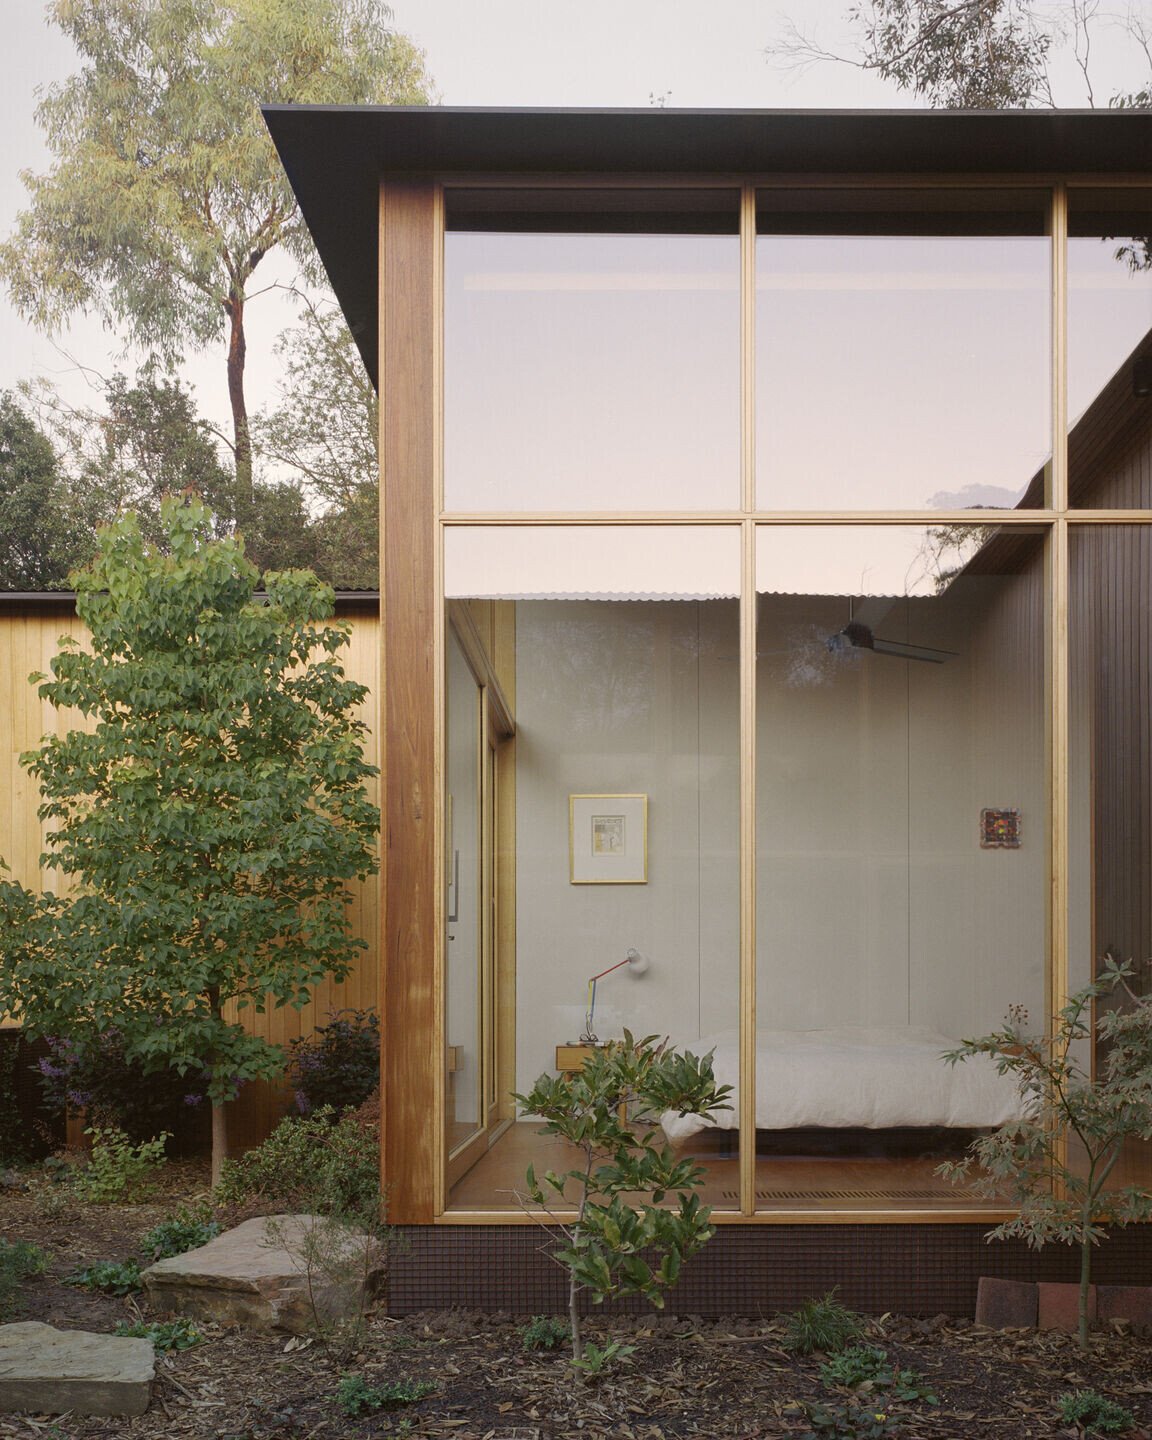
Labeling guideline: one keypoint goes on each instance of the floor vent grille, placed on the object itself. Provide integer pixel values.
(889, 1194)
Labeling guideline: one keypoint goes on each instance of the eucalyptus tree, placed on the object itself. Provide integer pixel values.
(165, 194)
(210, 817)
(978, 54)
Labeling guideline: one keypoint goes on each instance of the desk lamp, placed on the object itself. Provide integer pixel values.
(636, 963)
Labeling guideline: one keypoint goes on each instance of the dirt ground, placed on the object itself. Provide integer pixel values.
(686, 1377)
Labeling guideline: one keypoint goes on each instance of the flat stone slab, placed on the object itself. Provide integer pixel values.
(46, 1371)
(257, 1275)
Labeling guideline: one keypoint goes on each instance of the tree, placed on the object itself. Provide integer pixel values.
(211, 819)
(601, 1112)
(1062, 1193)
(974, 54)
(166, 193)
(43, 535)
(148, 441)
(324, 432)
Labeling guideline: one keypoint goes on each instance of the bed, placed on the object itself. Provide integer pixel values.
(853, 1077)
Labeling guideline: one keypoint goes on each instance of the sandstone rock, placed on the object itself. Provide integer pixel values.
(258, 1275)
(47, 1371)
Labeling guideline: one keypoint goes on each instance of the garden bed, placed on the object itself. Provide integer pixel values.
(686, 1377)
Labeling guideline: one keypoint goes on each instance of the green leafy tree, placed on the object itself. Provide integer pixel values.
(212, 818)
(601, 1112)
(42, 534)
(166, 194)
(1055, 1162)
(323, 434)
(975, 54)
(146, 441)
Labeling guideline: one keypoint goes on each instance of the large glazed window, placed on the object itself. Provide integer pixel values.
(902, 349)
(592, 350)
(1110, 769)
(1109, 348)
(625, 786)
(901, 850)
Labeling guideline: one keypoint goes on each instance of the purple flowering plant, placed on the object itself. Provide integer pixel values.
(338, 1065)
(94, 1074)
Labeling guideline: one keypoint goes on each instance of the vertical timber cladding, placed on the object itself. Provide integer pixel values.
(409, 1078)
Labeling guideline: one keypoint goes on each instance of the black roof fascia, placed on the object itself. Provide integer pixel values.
(335, 156)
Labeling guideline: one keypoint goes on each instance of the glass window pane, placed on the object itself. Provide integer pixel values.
(1110, 765)
(1109, 349)
(624, 777)
(901, 850)
(464, 960)
(902, 349)
(592, 350)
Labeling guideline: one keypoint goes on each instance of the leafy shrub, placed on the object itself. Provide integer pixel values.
(184, 1231)
(339, 1066)
(15, 1141)
(309, 1165)
(18, 1260)
(862, 1365)
(823, 1325)
(544, 1332)
(356, 1397)
(853, 1422)
(118, 1172)
(178, 1334)
(617, 1246)
(1096, 1414)
(596, 1359)
(93, 1074)
(110, 1277)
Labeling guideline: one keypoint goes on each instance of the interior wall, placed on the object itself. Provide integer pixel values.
(876, 903)
(614, 698)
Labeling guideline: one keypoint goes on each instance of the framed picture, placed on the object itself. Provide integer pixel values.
(608, 839)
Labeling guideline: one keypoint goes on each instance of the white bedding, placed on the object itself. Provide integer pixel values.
(854, 1076)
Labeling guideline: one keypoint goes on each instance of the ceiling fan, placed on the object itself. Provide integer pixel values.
(858, 635)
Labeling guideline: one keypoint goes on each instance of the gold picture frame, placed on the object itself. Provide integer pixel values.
(608, 839)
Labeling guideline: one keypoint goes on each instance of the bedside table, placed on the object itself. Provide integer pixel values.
(570, 1060)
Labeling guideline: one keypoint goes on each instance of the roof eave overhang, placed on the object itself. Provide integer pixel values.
(336, 156)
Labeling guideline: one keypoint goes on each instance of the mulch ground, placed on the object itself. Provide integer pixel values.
(686, 1378)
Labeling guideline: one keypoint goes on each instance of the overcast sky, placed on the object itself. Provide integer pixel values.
(499, 52)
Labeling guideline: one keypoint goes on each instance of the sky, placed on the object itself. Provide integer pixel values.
(501, 52)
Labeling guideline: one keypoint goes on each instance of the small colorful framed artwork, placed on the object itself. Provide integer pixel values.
(1000, 829)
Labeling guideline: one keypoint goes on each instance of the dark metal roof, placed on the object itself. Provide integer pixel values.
(66, 599)
(335, 156)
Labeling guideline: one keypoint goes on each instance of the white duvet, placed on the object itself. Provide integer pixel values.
(854, 1076)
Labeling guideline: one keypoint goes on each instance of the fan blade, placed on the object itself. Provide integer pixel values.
(912, 652)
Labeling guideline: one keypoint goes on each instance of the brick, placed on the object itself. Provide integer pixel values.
(1006, 1304)
(1059, 1307)
(1126, 1302)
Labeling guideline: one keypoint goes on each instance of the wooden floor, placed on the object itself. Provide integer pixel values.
(783, 1182)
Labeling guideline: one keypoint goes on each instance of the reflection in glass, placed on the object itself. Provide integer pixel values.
(464, 947)
(592, 351)
(1110, 767)
(900, 729)
(626, 685)
(1109, 348)
(902, 349)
